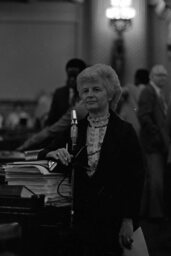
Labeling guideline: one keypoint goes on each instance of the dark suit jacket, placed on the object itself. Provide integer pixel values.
(153, 134)
(115, 189)
(60, 104)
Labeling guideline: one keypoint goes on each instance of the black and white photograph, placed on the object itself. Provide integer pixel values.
(85, 127)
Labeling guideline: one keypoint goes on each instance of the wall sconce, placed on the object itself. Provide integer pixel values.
(120, 14)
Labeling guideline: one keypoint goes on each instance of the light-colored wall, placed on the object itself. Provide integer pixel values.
(36, 41)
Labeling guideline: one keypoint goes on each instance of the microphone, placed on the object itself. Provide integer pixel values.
(74, 130)
(73, 134)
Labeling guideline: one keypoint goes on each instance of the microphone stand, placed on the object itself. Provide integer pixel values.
(73, 150)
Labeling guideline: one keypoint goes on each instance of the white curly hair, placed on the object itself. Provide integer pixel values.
(109, 78)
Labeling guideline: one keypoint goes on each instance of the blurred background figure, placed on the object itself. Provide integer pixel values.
(2, 119)
(154, 139)
(65, 96)
(18, 118)
(42, 109)
(130, 97)
(141, 79)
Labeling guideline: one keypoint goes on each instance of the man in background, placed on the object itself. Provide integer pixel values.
(64, 97)
(154, 138)
(130, 97)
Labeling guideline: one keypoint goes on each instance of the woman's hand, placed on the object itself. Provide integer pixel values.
(61, 154)
(126, 234)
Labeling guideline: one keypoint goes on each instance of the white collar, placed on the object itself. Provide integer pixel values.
(156, 88)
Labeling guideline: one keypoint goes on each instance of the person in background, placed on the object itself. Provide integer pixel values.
(154, 138)
(42, 109)
(141, 79)
(168, 172)
(65, 96)
(2, 120)
(108, 167)
(42, 138)
(128, 110)
(18, 118)
(130, 97)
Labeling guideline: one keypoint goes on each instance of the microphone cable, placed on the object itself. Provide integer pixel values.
(65, 175)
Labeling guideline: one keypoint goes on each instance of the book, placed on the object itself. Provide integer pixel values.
(35, 176)
(41, 166)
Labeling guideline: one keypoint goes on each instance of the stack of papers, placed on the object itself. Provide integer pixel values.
(35, 176)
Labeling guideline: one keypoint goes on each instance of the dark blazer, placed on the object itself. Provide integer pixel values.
(59, 105)
(115, 189)
(153, 133)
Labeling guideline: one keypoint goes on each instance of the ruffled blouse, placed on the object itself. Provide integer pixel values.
(95, 135)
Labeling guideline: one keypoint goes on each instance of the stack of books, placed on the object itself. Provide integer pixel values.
(35, 176)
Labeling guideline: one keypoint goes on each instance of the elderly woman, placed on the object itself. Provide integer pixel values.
(108, 167)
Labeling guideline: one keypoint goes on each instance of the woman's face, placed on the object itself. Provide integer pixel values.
(95, 98)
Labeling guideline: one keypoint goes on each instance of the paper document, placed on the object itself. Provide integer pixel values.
(139, 247)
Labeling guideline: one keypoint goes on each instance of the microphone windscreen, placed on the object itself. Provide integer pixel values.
(73, 114)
